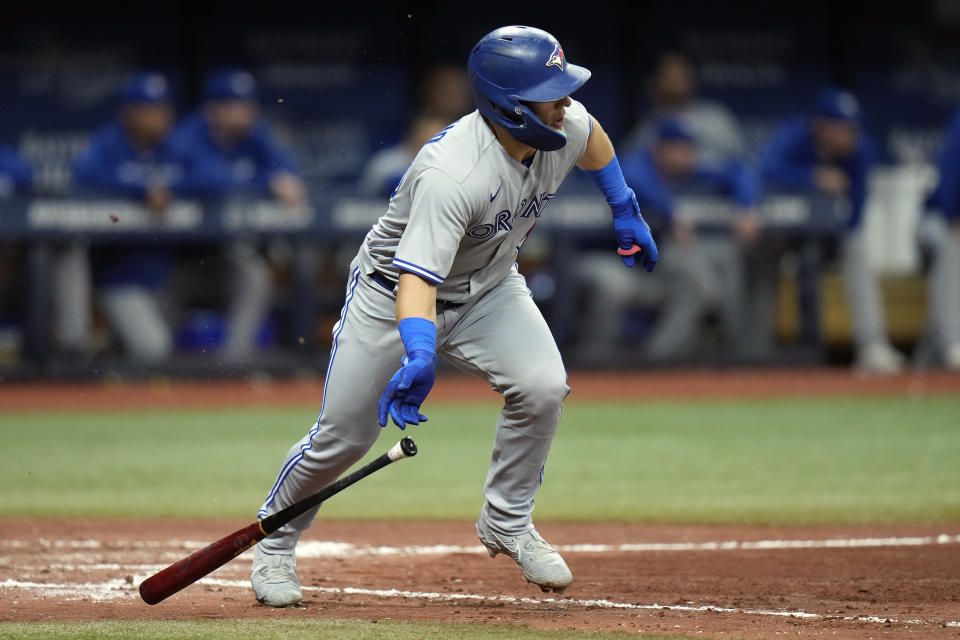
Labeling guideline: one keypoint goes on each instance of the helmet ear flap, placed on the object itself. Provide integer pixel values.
(515, 115)
(546, 138)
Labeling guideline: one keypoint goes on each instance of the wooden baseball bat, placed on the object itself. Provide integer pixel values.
(185, 572)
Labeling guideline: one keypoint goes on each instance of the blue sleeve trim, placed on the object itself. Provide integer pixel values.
(417, 270)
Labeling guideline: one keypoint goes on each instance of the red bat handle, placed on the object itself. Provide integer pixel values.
(198, 564)
(629, 252)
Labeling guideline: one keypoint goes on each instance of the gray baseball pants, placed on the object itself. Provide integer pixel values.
(689, 281)
(251, 290)
(862, 286)
(499, 336)
(943, 280)
(134, 312)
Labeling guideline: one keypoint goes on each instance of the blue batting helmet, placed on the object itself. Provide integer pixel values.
(513, 65)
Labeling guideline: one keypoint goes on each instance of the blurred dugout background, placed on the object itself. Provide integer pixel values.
(339, 83)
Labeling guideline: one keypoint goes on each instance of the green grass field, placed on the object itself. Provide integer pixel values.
(287, 629)
(859, 460)
(843, 461)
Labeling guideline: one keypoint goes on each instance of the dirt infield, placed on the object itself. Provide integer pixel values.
(706, 384)
(846, 583)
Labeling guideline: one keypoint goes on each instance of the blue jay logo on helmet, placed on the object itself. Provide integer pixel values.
(507, 72)
(556, 58)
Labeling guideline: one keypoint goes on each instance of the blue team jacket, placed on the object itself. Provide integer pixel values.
(15, 173)
(732, 179)
(946, 197)
(111, 166)
(212, 170)
(790, 157)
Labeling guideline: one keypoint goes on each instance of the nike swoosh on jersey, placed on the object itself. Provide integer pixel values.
(493, 196)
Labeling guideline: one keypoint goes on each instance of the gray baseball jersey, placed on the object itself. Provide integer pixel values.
(464, 207)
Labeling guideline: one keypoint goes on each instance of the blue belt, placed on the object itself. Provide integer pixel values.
(383, 281)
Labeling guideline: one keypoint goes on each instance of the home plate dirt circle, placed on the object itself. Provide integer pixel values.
(837, 582)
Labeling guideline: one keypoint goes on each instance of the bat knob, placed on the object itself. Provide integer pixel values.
(409, 446)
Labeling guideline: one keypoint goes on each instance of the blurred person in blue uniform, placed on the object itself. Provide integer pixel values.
(939, 237)
(701, 272)
(131, 157)
(672, 89)
(229, 148)
(828, 151)
(15, 174)
(16, 177)
(229, 151)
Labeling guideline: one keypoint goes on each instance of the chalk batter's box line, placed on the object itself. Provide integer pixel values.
(321, 548)
(116, 589)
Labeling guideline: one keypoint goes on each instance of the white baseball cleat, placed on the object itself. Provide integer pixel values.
(274, 579)
(951, 357)
(539, 563)
(880, 359)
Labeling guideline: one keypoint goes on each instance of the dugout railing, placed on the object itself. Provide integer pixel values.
(332, 219)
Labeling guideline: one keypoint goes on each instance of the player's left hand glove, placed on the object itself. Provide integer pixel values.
(407, 390)
(633, 231)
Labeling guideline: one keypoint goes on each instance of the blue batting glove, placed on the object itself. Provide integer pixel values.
(407, 390)
(633, 231)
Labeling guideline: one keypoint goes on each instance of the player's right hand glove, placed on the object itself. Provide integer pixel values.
(407, 390)
(633, 231)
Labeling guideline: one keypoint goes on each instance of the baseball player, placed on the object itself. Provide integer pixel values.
(830, 152)
(436, 275)
(709, 272)
(131, 157)
(228, 149)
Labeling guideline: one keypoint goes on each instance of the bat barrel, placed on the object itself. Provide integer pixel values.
(198, 564)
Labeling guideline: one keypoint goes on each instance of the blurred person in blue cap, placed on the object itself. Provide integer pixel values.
(131, 157)
(828, 151)
(229, 152)
(939, 237)
(672, 89)
(702, 271)
(229, 146)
